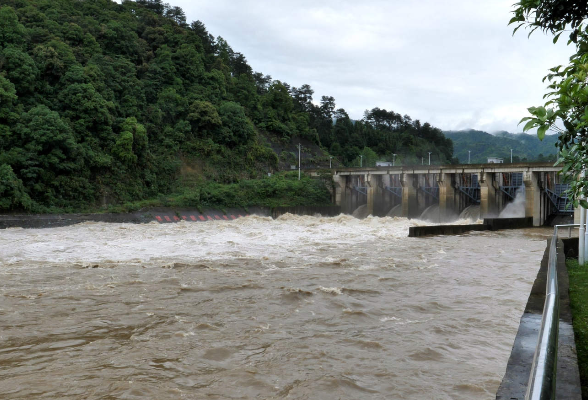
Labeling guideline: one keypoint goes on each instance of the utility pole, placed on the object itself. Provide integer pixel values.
(360, 161)
(393, 159)
(330, 162)
(430, 157)
(299, 162)
(511, 156)
(469, 154)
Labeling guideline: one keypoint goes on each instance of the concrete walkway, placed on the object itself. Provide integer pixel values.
(514, 383)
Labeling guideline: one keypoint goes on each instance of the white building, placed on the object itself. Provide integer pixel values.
(495, 160)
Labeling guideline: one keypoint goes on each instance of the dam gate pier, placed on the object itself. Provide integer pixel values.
(443, 193)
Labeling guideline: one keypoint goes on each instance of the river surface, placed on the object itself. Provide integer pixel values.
(294, 308)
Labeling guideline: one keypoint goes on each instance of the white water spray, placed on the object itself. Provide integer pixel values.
(515, 209)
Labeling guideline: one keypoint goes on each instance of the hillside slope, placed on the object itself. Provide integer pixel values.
(483, 145)
(107, 103)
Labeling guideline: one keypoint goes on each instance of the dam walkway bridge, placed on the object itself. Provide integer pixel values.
(407, 191)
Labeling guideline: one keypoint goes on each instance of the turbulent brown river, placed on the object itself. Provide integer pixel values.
(294, 308)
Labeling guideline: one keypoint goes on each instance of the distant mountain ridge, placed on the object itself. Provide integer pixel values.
(525, 147)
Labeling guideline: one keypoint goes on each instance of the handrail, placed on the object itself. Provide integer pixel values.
(544, 369)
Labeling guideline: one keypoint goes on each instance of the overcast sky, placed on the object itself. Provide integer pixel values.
(453, 63)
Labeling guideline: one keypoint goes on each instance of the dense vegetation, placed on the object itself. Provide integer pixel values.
(567, 97)
(380, 135)
(106, 103)
(281, 190)
(579, 306)
(483, 145)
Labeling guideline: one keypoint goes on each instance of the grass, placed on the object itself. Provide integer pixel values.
(579, 304)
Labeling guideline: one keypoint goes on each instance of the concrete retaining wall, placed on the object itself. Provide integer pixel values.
(160, 215)
(418, 231)
(495, 224)
(514, 383)
(56, 220)
(490, 224)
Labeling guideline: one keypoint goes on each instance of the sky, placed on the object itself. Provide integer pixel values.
(452, 63)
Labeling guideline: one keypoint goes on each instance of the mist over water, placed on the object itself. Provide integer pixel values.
(296, 308)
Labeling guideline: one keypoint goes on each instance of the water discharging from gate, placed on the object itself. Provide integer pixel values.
(395, 211)
(299, 307)
(360, 212)
(431, 214)
(472, 213)
(516, 208)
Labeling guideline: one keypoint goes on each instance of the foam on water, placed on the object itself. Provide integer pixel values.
(151, 243)
(298, 307)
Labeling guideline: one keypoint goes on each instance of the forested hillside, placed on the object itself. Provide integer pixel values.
(105, 103)
(483, 145)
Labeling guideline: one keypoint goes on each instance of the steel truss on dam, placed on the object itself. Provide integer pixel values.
(409, 191)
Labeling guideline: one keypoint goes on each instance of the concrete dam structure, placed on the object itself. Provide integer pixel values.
(443, 193)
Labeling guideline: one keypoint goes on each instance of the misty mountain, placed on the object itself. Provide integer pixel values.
(525, 147)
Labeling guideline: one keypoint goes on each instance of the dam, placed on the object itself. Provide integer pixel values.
(449, 190)
(295, 307)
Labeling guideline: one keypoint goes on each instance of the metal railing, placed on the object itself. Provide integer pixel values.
(544, 369)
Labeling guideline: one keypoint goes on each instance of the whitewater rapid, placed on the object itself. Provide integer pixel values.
(293, 308)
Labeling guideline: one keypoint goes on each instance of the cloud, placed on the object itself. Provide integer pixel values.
(454, 63)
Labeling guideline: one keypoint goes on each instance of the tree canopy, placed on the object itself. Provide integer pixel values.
(567, 96)
(478, 146)
(102, 102)
(554, 16)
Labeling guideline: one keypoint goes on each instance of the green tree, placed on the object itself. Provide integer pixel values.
(303, 97)
(568, 88)
(204, 118)
(8, 116)
(47, 150)
(88, 111)
(7, 98)
(131, 144)
(368, 158)
(12, 192)
(236, 129)
(279, 99)
(20, 69)
(11, 31)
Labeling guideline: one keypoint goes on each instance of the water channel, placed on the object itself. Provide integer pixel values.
(293, 308)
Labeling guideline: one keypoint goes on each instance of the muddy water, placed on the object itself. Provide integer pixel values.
(297, 308)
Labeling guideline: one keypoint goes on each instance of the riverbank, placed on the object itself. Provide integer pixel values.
(579, 305)
(280, 190)
(159, 214)
(516, 378)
